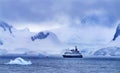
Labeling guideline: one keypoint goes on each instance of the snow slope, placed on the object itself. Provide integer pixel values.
(13, 41)
(108, 51)
(112, 48)
(20, 41)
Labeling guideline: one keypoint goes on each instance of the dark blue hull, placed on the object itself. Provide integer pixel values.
(70, 56)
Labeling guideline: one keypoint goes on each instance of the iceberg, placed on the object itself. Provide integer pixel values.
(19, 61)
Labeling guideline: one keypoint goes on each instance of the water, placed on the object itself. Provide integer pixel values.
(63, 65)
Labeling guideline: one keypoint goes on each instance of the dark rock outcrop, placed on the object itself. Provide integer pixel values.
(117, 32)
(40, 35)
(5, 26)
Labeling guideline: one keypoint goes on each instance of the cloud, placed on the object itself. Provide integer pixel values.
(88, 20)
(46, 10)
(86, 37)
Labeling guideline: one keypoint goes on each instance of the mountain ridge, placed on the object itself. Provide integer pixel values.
(113, 48)
(24, 41)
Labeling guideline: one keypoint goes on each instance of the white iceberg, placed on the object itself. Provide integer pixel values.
(19, 61)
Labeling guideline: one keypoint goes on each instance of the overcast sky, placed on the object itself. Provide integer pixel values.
(91, 17)
(21, 12)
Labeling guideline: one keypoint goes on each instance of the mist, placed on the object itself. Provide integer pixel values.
(85, 22)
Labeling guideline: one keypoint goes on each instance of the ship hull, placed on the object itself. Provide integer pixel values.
(70, 56)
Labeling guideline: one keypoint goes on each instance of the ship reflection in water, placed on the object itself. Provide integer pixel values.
(74, 53)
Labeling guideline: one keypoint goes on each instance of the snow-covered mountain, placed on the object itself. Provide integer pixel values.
(113, 48)
(108, 51)
(13, 41)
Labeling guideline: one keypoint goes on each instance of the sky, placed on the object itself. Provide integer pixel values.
(40, 11)
(67, 15)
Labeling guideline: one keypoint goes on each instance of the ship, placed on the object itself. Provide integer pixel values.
(74, 53)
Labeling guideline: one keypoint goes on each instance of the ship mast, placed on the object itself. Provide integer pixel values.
(76, 48)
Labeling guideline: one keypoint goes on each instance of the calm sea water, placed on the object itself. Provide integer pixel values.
(63, 65)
